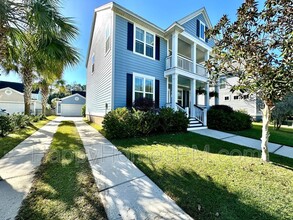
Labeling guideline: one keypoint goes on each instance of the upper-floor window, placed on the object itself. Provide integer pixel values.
(226, 98)
(144, 87)
(144, 42)
(236, 97)
(93, 63)
(222, 83)
(202, 29)
(108, 41)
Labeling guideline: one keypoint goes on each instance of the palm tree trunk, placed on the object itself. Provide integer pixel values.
(45, 92)
(27, 79)
(265, 132)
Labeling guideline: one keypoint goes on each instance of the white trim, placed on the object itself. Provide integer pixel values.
(72, 96)
(182, 98)
(108, 28)
(185, 73)
(113, 58)
(13, 90)
(144, 78)
(204, 35)
(197, 41)
(144, 43)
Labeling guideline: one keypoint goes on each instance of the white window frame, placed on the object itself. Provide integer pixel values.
(226, 97)
(107, 39)
(93, 61)
(144, 78)
(144, 43)
(204, 35)
(222, 84)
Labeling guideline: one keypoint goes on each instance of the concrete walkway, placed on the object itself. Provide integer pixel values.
(282, 150)
(126, 192)
(18, 166)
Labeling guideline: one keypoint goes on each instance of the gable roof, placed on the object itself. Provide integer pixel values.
(82, 93)
(195, 14)
(76, 94)
(14, 85)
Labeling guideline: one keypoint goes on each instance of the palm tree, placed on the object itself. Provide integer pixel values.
(47, 39)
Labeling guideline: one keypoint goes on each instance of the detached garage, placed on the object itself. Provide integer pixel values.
(70, 105)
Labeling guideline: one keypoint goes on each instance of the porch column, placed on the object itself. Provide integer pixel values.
(174, 49)
(192, 96)
(174, 91)
(207, 95)
(193, 56)
(217, 91)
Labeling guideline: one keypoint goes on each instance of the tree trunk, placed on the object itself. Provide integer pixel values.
(45, 92)
(27, 79)
(266, 116)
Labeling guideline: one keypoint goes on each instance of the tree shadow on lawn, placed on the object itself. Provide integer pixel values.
(201, 197)
(64, 187)
(202, 143)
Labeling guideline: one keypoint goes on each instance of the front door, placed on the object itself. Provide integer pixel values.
(180, 97)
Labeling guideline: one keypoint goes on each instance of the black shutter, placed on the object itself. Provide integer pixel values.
(184, 99)
(207, 40)
(197, 27)
(130, 36)
(157, 94)
(129, 90)
(158, 48)
(187, 99)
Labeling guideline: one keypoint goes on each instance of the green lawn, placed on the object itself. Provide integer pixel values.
(283, 136)
(206, 181)
(13, 139)
(64, 187)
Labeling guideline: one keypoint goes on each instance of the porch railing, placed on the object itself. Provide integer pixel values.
(187, 65)
(200, 114)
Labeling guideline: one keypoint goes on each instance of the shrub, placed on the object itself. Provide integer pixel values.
(122, 123)
(119, 123)
(222, 118)
(83, 110)
(5, 125)
(19, 120)
(144, 104)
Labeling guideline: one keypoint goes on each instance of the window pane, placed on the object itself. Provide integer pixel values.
(202, 29)
(138, 84)
(139, 47)
(149, 51)
(149, 39)
(149, 96)
(139, 34)
(138, 95)
(149, 86)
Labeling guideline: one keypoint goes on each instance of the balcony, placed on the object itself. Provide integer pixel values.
(187, 65)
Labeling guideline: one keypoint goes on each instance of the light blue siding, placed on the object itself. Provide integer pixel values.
(190, 27)
(128, 62)
(71, 100)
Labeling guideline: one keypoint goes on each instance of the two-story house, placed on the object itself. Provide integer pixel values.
(130, 57)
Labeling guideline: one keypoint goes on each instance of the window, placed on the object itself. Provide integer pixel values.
(202, 29)
(236, 97)
(144, 87)
(108, 41)
(226, 98)
(245, 96)
(222, 83)
(144, 42)
(93, 63)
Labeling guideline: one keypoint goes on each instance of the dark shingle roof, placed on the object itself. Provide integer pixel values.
(83, 93)
(14, 85)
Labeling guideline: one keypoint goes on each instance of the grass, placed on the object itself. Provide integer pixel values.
(13, 139)
(64, 187)
(283, 136)
(209, 180)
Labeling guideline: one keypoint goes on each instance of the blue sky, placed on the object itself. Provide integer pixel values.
(161, 12)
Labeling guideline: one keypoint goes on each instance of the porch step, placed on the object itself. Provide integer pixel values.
(195, 124)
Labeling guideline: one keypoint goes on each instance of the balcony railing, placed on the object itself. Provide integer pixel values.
(187, 65)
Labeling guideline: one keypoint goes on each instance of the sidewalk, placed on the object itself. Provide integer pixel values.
(126, 192)
(18, 166)
(282, 150)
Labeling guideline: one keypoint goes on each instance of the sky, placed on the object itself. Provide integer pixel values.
(160, 12)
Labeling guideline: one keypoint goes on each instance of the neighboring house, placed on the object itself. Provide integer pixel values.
(70, 105)
(130, 57)
(12, 98)
(238, 100)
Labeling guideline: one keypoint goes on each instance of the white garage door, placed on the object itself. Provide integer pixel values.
(71, 110)
(12, 107)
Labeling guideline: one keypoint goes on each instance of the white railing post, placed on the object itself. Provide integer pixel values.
(187, 111)
(174, 48)
(205, 119)
(174, 91)
(193, 57)
(192, 96)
